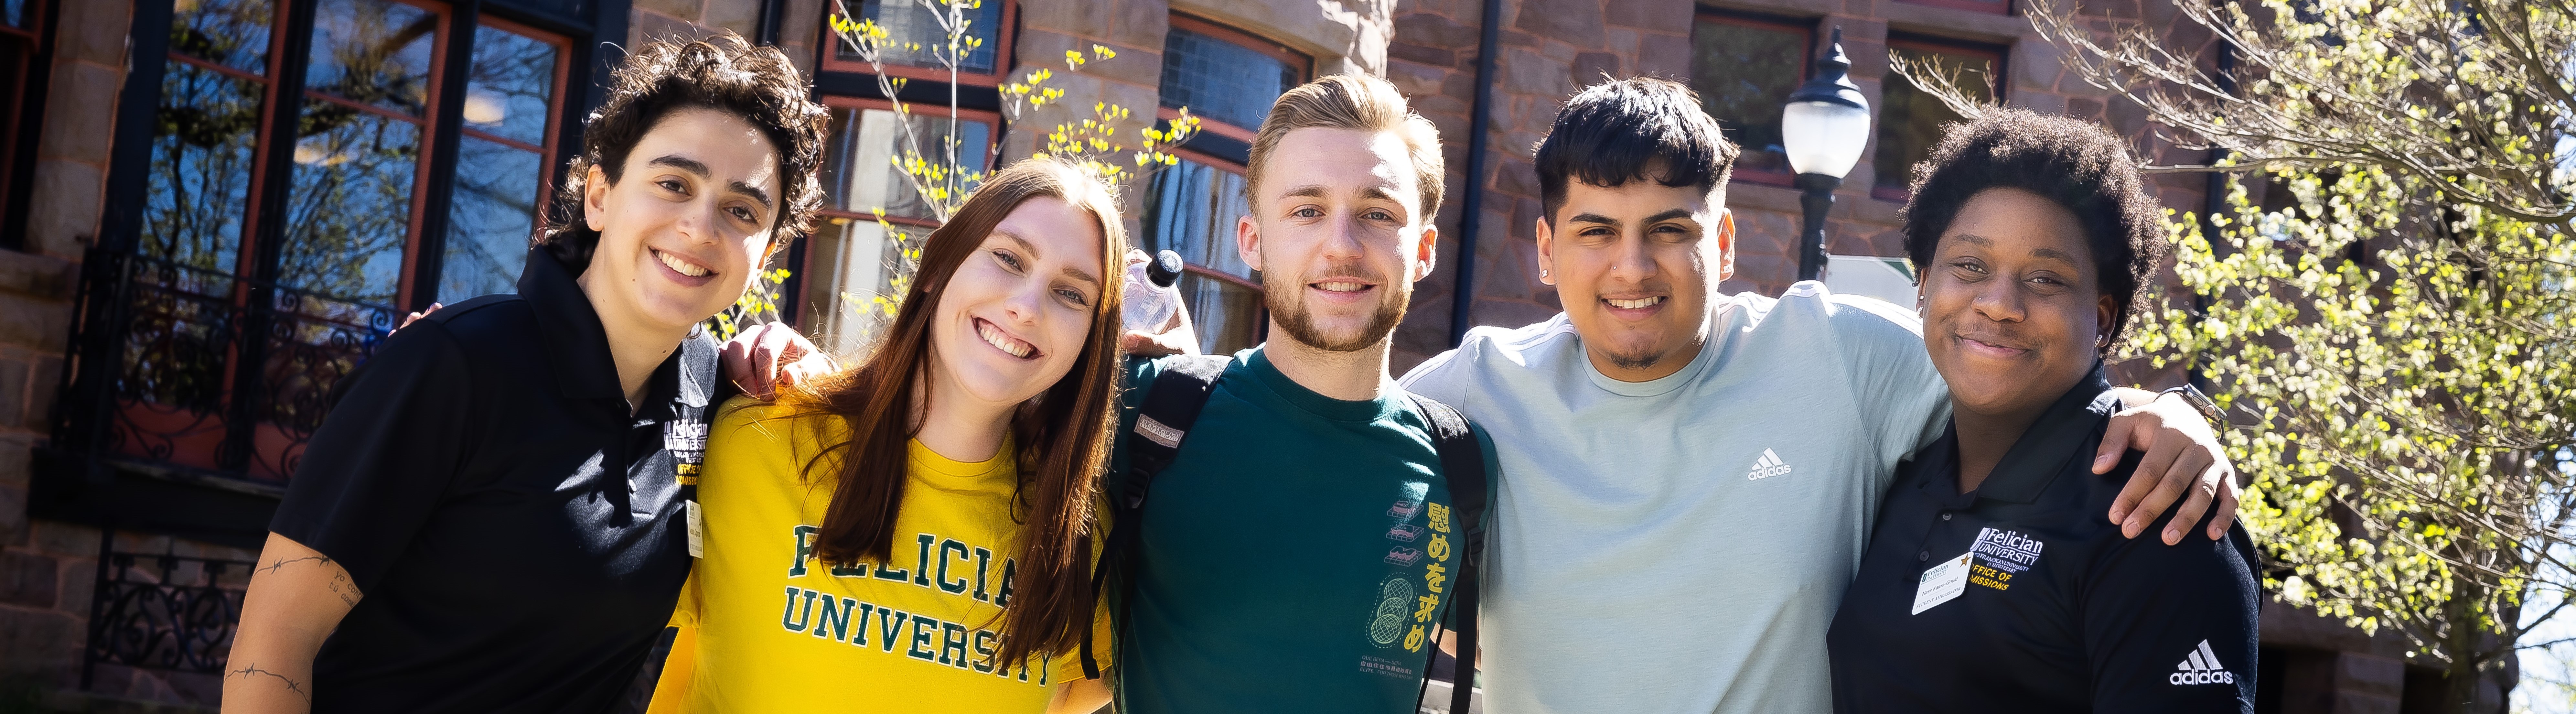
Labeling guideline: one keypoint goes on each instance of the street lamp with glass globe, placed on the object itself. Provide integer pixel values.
(1824, 127)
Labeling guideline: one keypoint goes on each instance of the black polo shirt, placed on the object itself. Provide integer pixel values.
(2053, 610)
(518, 533)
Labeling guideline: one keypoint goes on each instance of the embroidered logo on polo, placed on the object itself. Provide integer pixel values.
(2201, 667)
(2002, 554)
(1768, 466)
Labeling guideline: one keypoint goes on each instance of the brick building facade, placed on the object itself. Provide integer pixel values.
(75, 487)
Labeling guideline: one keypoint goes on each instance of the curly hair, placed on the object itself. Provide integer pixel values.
(2071, 162)
(721, 73)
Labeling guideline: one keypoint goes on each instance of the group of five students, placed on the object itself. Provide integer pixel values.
(518, 493)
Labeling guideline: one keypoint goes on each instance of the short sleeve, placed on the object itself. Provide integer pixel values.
(1442, 378)
(2172, 627)
(1901, 397)
(382, 462)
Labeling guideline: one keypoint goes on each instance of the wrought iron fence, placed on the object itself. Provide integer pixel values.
(166, 612)
(212, 373)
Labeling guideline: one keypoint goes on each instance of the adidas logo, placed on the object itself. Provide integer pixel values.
(1768, 466)
(2201, 667)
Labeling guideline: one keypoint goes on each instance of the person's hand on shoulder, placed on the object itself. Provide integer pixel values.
(766, 357)
(2183, 462)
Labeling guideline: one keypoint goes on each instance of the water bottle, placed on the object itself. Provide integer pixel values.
(1150, 299)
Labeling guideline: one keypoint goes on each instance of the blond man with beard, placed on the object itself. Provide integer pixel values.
(1297, 551)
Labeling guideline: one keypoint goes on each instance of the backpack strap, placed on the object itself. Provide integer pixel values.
(1172, 404)
(1462, 467)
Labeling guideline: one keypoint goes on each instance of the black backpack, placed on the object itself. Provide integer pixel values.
(1172, 404)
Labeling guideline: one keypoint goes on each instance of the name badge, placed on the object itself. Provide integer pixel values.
(697, 531)
(1941, 584)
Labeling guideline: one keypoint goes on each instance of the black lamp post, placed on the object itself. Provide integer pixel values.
(1823, 128)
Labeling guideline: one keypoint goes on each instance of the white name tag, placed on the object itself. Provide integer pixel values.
(697, 532)
(1941, 584)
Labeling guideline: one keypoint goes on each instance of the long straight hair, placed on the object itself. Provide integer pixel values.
(1062, 435)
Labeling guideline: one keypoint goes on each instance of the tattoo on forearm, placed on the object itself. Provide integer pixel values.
(341, 586)
(339, 583)
(253, 670)
(283, 562)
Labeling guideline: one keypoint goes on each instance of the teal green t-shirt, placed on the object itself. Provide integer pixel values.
(1295, 556)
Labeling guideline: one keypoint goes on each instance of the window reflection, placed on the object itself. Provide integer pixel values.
(229, 33)
(348, 208)
(1744, 72)
(512, 87)
(854, 260)
(1222, 80)
(1191, 209)
(501, 164)
(491, 221)
(373, 52)
(859, 173)
(357, 149)
(912, 21)
(202, 153)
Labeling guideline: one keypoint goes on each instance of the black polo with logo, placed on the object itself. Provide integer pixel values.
(2057, 611)
(517, 531)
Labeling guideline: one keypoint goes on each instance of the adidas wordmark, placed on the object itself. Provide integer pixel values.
(2201, 667)
(1767, 466)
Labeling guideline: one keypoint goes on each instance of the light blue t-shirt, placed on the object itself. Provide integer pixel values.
(1679, 545)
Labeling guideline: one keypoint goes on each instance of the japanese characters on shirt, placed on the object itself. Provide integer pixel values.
(1421, 539)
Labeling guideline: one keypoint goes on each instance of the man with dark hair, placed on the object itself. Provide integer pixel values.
(1689, 477)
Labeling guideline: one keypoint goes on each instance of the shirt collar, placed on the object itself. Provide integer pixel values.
(2052, 441)
(576, 344)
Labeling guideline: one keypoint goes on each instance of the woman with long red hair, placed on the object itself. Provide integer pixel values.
(916, 533)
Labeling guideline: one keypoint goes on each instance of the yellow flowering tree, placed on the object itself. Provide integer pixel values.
(941, 177)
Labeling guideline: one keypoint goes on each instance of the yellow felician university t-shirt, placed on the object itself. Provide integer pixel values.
(767, 626)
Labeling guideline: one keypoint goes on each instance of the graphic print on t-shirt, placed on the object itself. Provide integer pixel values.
(939, 563)
(1406, 605)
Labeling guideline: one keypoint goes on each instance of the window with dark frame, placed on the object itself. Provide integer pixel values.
(21, 65)
(844, 274)
(1744, 67)
(1909, 120)
(850, 260)
(220, 313)
(915, 39)
(1229, 79)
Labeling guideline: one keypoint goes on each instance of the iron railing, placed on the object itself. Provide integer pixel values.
(172, 381)
(166, 612)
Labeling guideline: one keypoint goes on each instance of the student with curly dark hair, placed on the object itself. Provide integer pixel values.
(476, 529)
(1991, 582)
